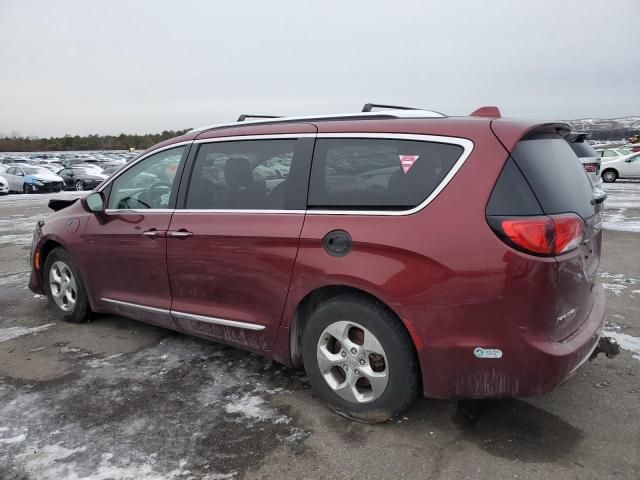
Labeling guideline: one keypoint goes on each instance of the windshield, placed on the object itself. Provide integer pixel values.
(35, 171)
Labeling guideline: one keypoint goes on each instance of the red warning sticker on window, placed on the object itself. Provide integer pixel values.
(407, 161)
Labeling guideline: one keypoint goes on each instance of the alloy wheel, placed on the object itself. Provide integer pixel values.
(79, 186)
(63, 286)
(352, 362)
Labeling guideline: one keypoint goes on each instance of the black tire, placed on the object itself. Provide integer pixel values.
(80, 311)
(403, 380)
(609, 175)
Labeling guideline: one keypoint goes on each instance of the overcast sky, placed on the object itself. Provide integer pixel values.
(112, 66)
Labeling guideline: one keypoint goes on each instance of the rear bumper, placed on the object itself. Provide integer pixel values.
(528, 365)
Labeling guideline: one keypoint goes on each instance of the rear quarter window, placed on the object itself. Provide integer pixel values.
(555, 175)
(386, 174)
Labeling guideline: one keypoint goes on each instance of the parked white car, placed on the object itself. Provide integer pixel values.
(627, 166)
(30, 179)
(612, 153)
(4, 186)
(588, 157)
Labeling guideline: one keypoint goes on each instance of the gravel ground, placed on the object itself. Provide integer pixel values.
(117, 399)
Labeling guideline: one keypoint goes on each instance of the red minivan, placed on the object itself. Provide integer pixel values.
(388, 252)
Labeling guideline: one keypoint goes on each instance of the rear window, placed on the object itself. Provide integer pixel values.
(358, 173)
(583, 149)
(555, 174)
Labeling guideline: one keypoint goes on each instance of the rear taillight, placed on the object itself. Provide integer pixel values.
(591, 167)
(540, 235)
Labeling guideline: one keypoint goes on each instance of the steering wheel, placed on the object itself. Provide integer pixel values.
(153, 194)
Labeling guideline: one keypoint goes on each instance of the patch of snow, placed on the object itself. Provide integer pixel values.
(626, 342)
(17, 439)
(14, 332)
(615, 288)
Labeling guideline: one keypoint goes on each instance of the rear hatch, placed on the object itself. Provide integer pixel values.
(562, 219)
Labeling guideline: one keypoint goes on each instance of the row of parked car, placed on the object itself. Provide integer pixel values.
(604, 163)
(53, 173)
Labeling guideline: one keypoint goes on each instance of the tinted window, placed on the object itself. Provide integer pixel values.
(609, 153)
(583, 149)
(251, 174)
(555, 174)
(512, 195)
(378, 173)
(147, 184)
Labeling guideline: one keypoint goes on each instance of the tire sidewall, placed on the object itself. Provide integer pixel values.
(403, 381)
(613, 174)
(75, 185)
(79, 312)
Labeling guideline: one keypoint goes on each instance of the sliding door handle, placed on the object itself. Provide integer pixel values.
(181, 234)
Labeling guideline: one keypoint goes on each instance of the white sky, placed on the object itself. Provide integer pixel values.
(111, 66)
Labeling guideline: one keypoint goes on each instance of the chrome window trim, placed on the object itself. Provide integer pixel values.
(243, 211)
(124, 211)
(188, 316)
(466, 144)
(268, 136)
(218, 321)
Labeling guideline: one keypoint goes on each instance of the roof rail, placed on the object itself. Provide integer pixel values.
(412, 113)
(370, 106)
(244, 116)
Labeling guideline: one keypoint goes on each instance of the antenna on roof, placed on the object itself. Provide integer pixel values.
(244, 116)
(370, 106)
(489, 111)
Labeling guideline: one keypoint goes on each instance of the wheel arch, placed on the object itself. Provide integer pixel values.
(313, 299)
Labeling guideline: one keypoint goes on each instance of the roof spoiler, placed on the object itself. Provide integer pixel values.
(488, 111)
(244, 116)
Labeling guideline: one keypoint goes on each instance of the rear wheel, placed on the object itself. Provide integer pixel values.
(79, 185)
(609, 176)
(64, 287)
(360, 359)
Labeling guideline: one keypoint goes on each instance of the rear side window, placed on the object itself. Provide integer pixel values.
(583, 149)
(363, 173)
(555, 174)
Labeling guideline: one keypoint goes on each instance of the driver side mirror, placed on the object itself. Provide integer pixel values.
(95, 202)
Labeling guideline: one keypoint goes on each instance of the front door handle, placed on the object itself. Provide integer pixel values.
(181, 234)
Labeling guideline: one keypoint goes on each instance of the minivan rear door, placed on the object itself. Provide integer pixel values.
(233, 240)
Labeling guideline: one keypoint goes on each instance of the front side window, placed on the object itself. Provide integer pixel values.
(147, 184)
(245, 174)
(365, 173)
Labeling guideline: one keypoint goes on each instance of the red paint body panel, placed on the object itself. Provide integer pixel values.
(129, 266)
(453, 283)
(236, 267)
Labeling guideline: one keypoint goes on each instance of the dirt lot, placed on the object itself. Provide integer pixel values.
(118, 399)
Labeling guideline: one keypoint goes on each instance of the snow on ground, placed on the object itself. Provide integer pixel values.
(57, 430)
(15, 332)
(622, 207)
(626, 341)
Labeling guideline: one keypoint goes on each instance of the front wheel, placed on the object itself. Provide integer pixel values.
(79, 186)
(64, 287)
(609, 176)
(360, 359)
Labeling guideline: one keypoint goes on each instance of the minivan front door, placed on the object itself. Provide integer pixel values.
(128, 244)
(232, 248)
